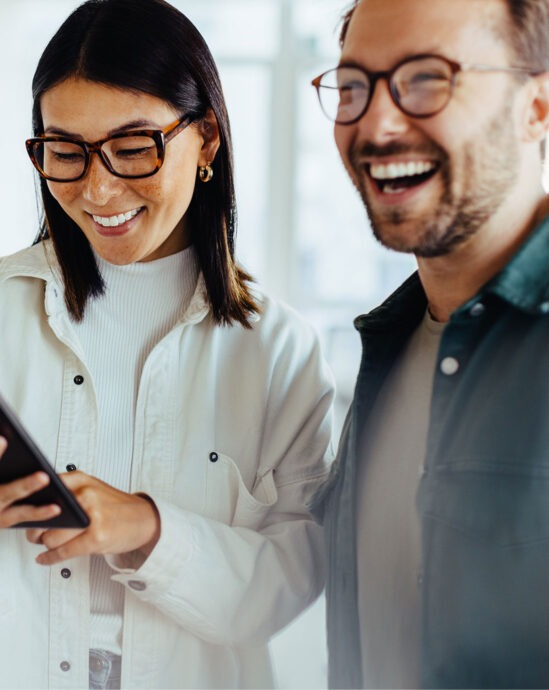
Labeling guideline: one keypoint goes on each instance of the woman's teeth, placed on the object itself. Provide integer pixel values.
(115, 221)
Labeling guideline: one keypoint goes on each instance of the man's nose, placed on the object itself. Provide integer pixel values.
(99, 184)
(383, 120)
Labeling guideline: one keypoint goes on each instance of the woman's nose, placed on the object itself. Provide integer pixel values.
(99, 184)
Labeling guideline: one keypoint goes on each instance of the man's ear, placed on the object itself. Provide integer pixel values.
(536, 120)
(209, 130)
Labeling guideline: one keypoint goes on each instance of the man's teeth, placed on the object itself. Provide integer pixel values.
(114, 221)
(392, 171)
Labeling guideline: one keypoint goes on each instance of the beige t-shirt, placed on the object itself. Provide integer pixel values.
(388, 532)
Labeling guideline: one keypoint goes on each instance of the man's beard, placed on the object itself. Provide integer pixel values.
(489, 168)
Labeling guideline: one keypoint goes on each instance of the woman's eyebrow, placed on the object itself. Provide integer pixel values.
(134, 124)
(61, 132)
(127, 127)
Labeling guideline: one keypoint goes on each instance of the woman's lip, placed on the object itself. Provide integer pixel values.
(115, 230)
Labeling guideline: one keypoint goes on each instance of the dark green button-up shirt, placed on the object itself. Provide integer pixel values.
(483, 500)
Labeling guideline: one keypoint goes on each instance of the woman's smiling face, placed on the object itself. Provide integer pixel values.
(151, 211)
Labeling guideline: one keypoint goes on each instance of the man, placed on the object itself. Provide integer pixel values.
(437, 510)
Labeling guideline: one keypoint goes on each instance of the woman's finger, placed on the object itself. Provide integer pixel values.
(53, 538)
(14, 515)
(22, 488)
(34, 535)
(78, 546)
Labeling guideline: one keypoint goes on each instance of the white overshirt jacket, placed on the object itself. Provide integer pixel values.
(232, 437)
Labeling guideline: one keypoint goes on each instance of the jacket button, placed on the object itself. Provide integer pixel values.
(64, 666)
(78, 379)
(449, 366)
(66, 573)
(214, 457)
(138, 585)
(477, 309)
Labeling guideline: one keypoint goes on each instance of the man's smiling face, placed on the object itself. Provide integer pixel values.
(431, 183)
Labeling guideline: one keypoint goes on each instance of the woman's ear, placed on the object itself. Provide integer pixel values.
(536, 121)
(209, 130)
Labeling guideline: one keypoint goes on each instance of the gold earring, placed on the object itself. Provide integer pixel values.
(205, 173)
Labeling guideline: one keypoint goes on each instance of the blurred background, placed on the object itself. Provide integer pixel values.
(302, 230)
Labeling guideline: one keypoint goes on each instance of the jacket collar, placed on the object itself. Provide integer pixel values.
(40, 262)
(524, 282)
(401, 312)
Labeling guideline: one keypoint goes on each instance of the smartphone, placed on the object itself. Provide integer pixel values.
(23, 457)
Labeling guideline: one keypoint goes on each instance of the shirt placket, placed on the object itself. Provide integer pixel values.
(69, 636)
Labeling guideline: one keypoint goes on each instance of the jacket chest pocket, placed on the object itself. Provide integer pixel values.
(228, 499)
(485, 574)
(505, 506)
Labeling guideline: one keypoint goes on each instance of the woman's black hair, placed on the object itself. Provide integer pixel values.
(147, 46)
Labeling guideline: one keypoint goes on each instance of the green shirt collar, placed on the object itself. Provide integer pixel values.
(524, 282)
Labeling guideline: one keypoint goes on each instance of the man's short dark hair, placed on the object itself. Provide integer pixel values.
(528, 33)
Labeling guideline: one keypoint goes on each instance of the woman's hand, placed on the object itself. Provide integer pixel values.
(11, 514)
(119, 523)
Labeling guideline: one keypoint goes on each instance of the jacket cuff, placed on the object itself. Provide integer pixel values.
(172, 551)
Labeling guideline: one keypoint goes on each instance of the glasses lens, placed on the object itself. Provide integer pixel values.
(132, 156)
(61, 160)
(344, 94)
(422, 86)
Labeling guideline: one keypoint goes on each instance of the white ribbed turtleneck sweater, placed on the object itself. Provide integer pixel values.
(141, 304)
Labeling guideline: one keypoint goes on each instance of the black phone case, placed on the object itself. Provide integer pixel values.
(23, 457)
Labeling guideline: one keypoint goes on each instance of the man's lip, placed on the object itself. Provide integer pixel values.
(394, 168)
(398, 197)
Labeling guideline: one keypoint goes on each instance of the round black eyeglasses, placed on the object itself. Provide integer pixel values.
(130, 155)
(420, 86)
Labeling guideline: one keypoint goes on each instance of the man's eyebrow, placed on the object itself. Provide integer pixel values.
(127, 127)
(350, 62)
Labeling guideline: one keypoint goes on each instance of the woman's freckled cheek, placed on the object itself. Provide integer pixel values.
(63, 193)
(151, 188)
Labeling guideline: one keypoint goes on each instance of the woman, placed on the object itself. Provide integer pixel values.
(195, 411)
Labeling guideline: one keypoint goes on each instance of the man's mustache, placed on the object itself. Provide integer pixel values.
(396, 148)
